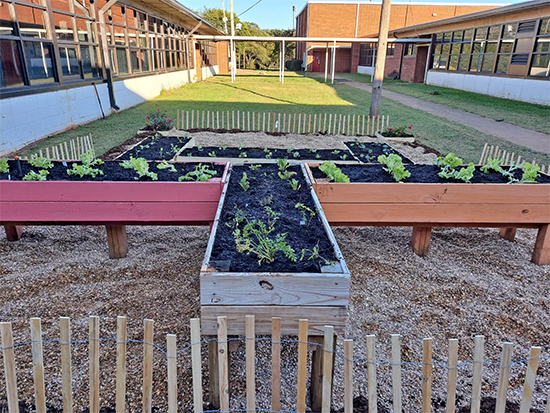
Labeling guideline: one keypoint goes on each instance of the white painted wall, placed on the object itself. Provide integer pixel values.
(26, 119)
(525, 90)
(365, 70)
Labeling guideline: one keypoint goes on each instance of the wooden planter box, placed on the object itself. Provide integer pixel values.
(113, 204)
(424, 206)
(320, 297)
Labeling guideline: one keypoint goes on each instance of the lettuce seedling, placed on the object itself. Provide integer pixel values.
(450, 161)
(40, 162)
(4, 167)
(87, 166)
(166, 165)
(141, 167)
(201, 174)
(493, 164)
(286, 174)
(530, 173)
(448, 167)
(394, 165)
(282, 164)
(244, 183)
(33, 176)
(332, 172)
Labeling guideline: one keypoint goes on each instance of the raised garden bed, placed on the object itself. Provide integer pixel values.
(114, 199)
(424, 201)
(368, 152)
(234, 284)
(157, 147)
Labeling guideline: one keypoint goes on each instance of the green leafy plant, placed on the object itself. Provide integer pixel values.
(332, 172)
(317, 156)
(4, 167)
(243, 155)
(305, 210)
(33, 176)
(290, 150)
(294, 184)
(141, 167)
(158, 120)
(86, 168)
(166, 165)
(255, 238)
(314, 254)
(530, 173)
(394, 165)
(286, 174)
(312, 150)
(335, 152)
(202, 173)
(449, 165)
(266, 200)
(282, 164)
(343, 157)
(401, 131)
(241, 146)
(493, 164)
(223, 148)
(40, 162)
(212, 154)
(450, 161)
(254, 167)
(244, 183)
(296, 154)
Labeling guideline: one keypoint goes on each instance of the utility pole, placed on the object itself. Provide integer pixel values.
(376, 98)
(293, 18)
(233, 63)
(224, 17)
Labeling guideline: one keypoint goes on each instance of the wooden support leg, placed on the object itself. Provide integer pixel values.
(509, 234)
(13, 232)
(420, 240)
(117, 240)
(214, 378)
(541, 253)
(316, 389)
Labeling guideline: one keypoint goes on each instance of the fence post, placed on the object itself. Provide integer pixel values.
(479, 342)
(9, 367)
(276, 364)
(121, 343)
(371, 374)
(172, 374)
(196, 363)
(348, 376)
(396, 372)
(147, 366)
(223, 363)
(328, 357)
(38, 365)
(504, 377)
(66, 373)
(529, 384)
(250, 363)
(427, 376)
(302, 365)
(94, 363)
(452, 375)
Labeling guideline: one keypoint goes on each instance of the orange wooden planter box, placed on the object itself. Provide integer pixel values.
(424, 206)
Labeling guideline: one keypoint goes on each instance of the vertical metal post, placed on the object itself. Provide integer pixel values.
(333, 61)
(283, 62)
(326, 63)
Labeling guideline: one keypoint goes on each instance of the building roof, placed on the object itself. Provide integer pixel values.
(491, 13)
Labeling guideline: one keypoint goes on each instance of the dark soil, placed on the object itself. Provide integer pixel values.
(157, 148)
(488, 405)
(267, 188)
(114, 152)
(427, 149)
(112, 171)
(367, 152)
(419, 174)
(269, 153)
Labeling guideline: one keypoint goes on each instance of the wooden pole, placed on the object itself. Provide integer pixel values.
(529, 384)
(302, 365)
(223, 363)
(196, 363)
(396, 372)
(172, 376)
(328, 356)
(479, 342)
(121, 344)
(65, 342)
(9, 367)
(348, 376)
(371, 374)
(250, 363)
(452, 375)
(94, 363)
(427, 376)
(376, 98)
(276, 364)
(147, 398)
(504, 377)
(38, 365)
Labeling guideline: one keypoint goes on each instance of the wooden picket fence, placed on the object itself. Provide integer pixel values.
(72, 149)
(329, 123)
(219, 368)
(494, 152)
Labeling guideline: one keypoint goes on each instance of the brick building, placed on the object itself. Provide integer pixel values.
(356, 19)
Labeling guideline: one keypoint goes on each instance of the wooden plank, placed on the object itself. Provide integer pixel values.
(38, 365)
(66, 369)
(196, 364)
(397, 393)
(121, 345)
(530, 377)
(420, 240)
(328, 358)
(316, 375)
(250, 363)
(213, 373)
(541, 252)
(483, 154)
(67, 151)
(504, 377)
(275, 364)
(371, 374)
(117, 240)
(508, 234)
(94, 363)
(171, 354)
(147, 396)
(13, 232)
(348, 376)
(280, 289)
(452, 375)
(223, 363)
(427, 376)
(318, 318)
(302, 365)
(479, 342)
(10, 374)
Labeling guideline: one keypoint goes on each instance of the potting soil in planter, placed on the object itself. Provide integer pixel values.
(269, 153)
(419, 174)
(296, 226)
(157, 148)
(112, 171)
(368, 152)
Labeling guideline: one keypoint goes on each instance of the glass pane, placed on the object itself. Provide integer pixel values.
(6, 26)
(63, 26)
(145, 60)
(168, 61)
(475, 63)
(117, 16)
(453, 62)
(132, 37)
(443, 61)
(502, 64)
(488, 62)
(506, 47)
(439, 37)
(39, 61)
(466, 48)
(142, 21)
(455, 49)
(134, 60)
(481, 34)
(543, 45)
(142, 39)
(69, 61)
(493, 32)
(61, 5)
(120, 39)
(544, 26)
(477, 48)
(31, 21)
(122, 61)
(446, 48)
(540, 65)
(509, 31)
(463, 65)
(11, 72)
(447, 36)
(151, 21)
(437, 49)
(85, 32)
(89, 61)
(468, 35)
(457, 36)
(491, 47)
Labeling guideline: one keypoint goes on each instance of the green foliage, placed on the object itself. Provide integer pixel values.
(282, 164)
(530, 173)
(400, 131)
(493, 164)
(86, 168)
(166, 165)
(266, 201)
(202, 173)
(286, 174)
(294, 184)
(332, 172)
(394, 165)
(212, 154)
(255, 238)
(33, 176)
(450, 161)
(243, 155)
(314, 254)
(40, 162)
(141, 167)
(305, 210)
(159, 120)
(448, 166)
(254, 167)
(4, 167)
(244, 183)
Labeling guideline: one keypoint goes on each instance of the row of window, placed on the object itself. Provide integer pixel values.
(367, 52)
(521, 48)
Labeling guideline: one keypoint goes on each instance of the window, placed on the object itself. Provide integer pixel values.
(390, 51)
(367, 54)
(540, 64)
(410, 49)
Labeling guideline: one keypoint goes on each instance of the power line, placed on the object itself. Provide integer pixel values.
(259, 1)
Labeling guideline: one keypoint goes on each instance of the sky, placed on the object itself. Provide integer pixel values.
(277, 14)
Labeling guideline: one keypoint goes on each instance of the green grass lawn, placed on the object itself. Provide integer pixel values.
(257, 92)
(526, 115)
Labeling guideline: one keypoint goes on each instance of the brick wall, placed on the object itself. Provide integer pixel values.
(223, 57)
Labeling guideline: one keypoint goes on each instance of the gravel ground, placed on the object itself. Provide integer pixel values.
(472, 282)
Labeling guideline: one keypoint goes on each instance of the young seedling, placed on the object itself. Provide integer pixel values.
(290, 150)
(286, 174)
(4, 167)
(495, 165)
(40, 162)
(254, 167)
(314, 254)
(448, 166)
(243, 155)
(223, 148)
(33, 176)
(87, 166)
(266, 201)
(317, 156)
(335, 152)
(141, 167)
(394, 165)
(296, 154)
(530, 173)
(166, 165)
(343, 157)
(305, 210)
(241, 146)
(212, 154)
(202, 173)
(332, 172)
(244, 183)
(294, 184)
(312, 150)
(282, 164)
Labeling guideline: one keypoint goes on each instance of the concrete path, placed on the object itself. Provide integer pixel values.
(520, 136)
